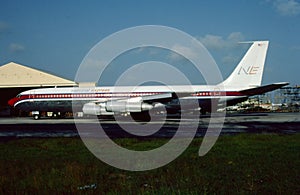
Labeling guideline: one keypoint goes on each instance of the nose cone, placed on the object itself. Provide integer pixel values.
(13, 101)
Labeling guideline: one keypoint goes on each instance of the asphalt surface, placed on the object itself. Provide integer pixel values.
(282, 123)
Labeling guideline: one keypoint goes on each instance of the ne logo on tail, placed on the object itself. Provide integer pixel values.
(250, 70)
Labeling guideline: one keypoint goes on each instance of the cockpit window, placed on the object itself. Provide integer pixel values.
(19, 95)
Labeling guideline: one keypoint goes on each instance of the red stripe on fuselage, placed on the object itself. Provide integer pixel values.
(13, 101)
(91, 95)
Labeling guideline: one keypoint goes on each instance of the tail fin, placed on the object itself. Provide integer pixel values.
(249, 71)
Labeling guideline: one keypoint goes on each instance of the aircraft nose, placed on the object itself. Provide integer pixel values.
(12, 101)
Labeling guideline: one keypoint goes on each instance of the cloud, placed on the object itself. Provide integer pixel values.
(15, 47)
(185, 51)
(224, 49)
(286, 7)
(216, 42)
(213, 41)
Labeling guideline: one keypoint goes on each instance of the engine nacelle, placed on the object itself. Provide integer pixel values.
(95, 109)
(127, 106)
(108, 108)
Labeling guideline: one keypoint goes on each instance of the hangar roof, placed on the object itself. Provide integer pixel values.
(17, 75)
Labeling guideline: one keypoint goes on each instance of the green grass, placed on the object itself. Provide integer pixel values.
(240, 164)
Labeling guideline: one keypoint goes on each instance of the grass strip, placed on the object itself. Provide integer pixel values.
(245, 163)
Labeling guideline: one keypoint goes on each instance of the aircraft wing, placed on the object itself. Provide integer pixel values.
(158, 97)
(132, 104)
(162, 97)
(263, 89)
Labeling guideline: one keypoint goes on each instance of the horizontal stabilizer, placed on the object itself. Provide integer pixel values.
(263, 89)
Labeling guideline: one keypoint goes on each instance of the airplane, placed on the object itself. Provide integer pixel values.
(244, 81)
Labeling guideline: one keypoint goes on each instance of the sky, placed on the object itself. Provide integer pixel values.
(55, 36)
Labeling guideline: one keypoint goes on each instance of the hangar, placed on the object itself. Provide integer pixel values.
(15, 78)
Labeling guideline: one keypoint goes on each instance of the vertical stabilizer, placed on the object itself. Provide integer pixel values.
(249, 71)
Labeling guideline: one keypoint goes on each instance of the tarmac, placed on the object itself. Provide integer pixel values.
(21, 127)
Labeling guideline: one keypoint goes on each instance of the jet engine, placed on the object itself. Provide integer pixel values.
(108, 108)
(127, 106)
(93, 108)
